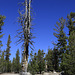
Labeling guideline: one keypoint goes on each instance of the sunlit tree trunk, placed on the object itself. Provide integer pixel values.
(26, 35)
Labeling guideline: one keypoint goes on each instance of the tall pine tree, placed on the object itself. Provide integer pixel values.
(70, 57)
(49, 59)
(33, 66)
(37, 62)
(8, 68)
(55, 59)
(72, 52)
(40, 61)
(61, 44)
(1, 35)
(17, 62)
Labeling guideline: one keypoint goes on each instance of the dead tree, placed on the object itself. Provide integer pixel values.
(24, 33)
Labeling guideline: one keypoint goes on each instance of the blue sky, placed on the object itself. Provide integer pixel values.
(45, 12)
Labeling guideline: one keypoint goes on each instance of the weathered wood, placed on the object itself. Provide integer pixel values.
(27, 34)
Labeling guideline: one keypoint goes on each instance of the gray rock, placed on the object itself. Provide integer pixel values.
(25, 73)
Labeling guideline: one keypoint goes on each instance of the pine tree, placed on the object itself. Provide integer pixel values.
(1, 35)
(40, 61)
(49, 59)
(17, 62)
(2, 65)
(61, 44)
(13, 65)
(70, 57)
(1, 24)
(8, 68)
(72, 52)
(71, 22)
(36, 63)
(33, 66)
(55, 59)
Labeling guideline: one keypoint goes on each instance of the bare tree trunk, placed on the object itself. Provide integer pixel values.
(27, 29)
(24, 68)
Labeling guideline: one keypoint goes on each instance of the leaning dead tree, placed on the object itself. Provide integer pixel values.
(24, 33)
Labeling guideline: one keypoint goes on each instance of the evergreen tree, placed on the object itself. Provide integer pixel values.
(69, 57)
(49, 59)
(61, 44)
(1, 24)
(36, 66)
(69, 68)
(55, 59)
(1, 35)
(13, 65)
(33, 66)
(17, 62)
(8, 68)
(2, 65)
(71, 22)
(37, 62)
(72, 52)
(40, 61)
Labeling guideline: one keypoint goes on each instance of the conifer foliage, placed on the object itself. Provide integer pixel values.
(61, 40)
(8, 64)
(17, 62)
(70, 69)
(2, 18)
(2, 65)
(49, 59)
(16, 65)
(55, 59)
(37, 64)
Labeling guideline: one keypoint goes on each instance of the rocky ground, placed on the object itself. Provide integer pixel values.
(29, 74)
(49, 74)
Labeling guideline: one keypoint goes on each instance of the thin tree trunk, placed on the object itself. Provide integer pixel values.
(26, 34)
